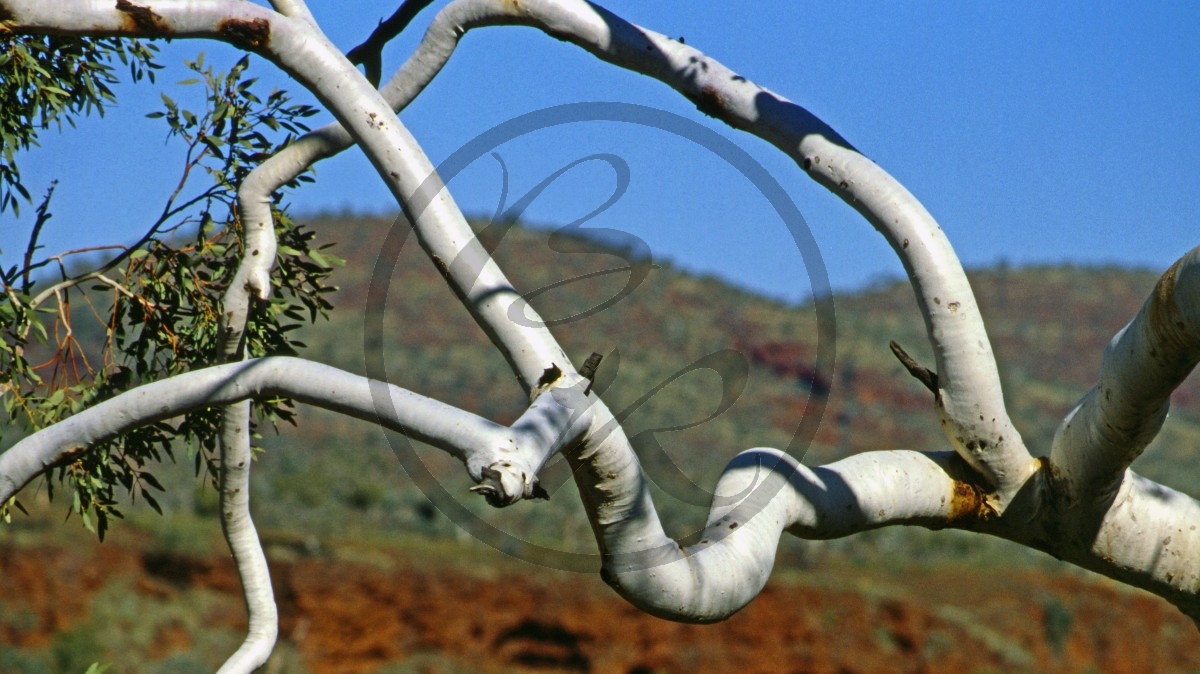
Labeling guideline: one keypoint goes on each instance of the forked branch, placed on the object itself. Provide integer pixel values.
(506, 457)
(1082, 505)
(968, 391)
(972, 408)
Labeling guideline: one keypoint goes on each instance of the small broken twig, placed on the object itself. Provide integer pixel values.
(923, 374)
(588, 371)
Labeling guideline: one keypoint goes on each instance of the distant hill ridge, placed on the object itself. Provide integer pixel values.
(1048, 325)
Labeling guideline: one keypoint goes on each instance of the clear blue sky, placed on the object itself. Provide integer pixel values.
(1033, 132)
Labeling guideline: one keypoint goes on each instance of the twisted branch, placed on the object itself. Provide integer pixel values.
(1082, 505)
(483, 446)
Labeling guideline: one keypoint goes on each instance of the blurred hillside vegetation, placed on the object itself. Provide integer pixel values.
(721, 368)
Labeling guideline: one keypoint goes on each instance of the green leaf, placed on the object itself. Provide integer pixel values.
(319, 259)
(151, 480)
(153, 503)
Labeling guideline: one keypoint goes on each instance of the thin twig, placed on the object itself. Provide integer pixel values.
(169, 211)
(43, 214)
(923, 374)
(369, 54)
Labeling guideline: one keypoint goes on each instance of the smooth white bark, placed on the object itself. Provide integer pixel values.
(1103, 538)
(237, 525)
(1142, 365)
(625, 520)
(761, 493)
(298, 46)
(244, 544)
(296, 9)
(970, 400)
(1082, 505)
(514, 454)
(304, 53)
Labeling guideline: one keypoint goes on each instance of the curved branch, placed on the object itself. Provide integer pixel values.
(297, 46)
(295, 9)
(507, 458)
(254, 194)
(1142, 365)
(244, 544)
(762, 493)
(237, 525)
(300, 50)
(971, 403)
(1128, 540)
(1144, 534)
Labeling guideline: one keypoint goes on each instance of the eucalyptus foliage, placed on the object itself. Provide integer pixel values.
(1077, 500)
(157, 302)
(47, 80)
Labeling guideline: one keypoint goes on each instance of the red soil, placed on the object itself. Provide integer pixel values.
(350, 618)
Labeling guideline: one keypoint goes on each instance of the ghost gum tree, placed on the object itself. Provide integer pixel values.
(1076, 500)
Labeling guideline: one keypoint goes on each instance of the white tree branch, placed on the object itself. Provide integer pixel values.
(295, 9)
(300, 50)
(1085, 508)
(970, 402)
(237, 525)
(761, 493)
(1142, 365)
(1125, 541)
(507, 458)
(244, 543)
(1145, 535)
(298, 47)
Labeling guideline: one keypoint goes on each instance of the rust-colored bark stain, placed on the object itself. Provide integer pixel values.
(710, 102)
(69, 456)
(250, 35)
(141, 20)
(967, 501)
